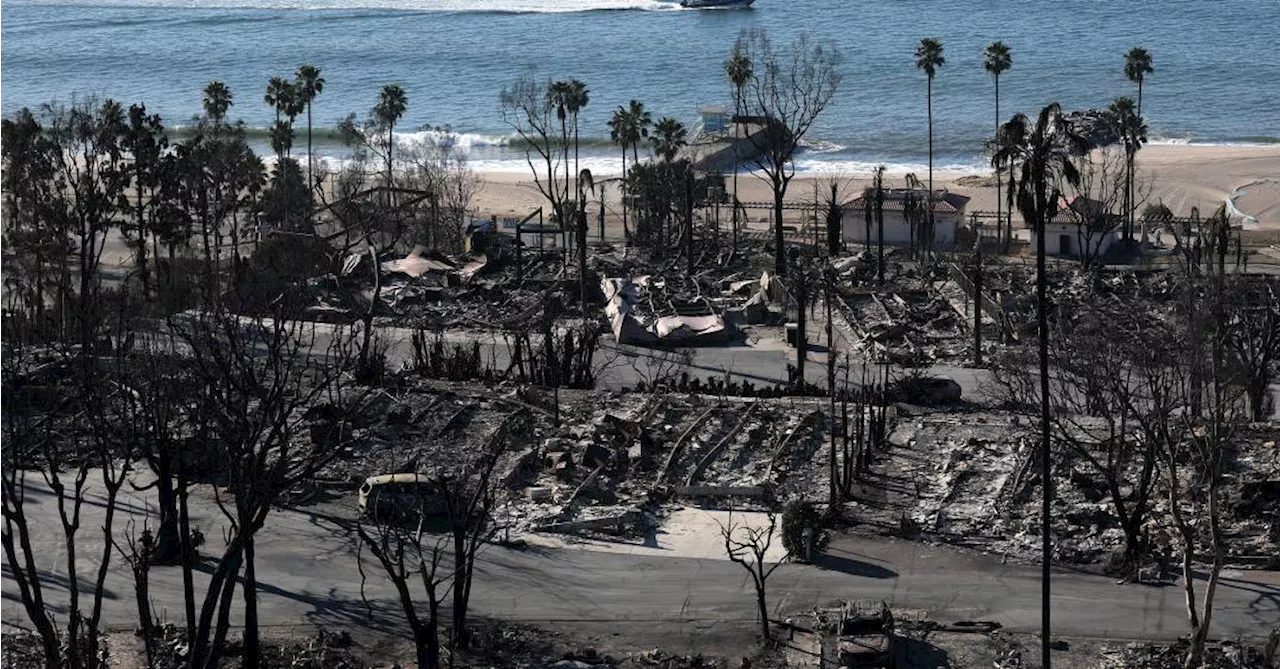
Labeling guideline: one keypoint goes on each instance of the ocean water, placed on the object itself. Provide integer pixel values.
(1216, 80)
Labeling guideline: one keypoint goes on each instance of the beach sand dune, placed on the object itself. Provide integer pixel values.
(1208, 176)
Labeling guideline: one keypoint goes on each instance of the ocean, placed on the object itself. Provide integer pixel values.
(1216, 79)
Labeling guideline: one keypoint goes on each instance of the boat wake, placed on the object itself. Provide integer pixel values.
(451, 6)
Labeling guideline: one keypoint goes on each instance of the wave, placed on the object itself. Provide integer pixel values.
(860, 167)
(1191, 140)
(327, 136)
(465, 141)
(816, 146)
(450, 6)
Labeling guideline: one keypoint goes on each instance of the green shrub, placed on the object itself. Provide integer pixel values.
(797, 516)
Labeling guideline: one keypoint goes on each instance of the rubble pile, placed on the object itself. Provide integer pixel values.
(641, 310)
(971, 479)
(1223, 655)
(430, 289)
(707, 309)
(906, 326)
(959, 474)
(615, 462)
(1012, 286)
(1252, 518)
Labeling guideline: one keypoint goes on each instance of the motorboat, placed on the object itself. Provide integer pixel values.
(715, 4)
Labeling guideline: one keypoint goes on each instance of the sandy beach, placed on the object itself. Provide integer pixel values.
(1181, 176)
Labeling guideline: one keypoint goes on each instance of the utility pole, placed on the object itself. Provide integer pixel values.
(688, 220)
(581, 234)
(977, 293)
(801, 307)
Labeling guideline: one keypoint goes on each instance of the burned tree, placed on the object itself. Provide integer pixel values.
(1252, 322)
(1113, 384)
(65, 423)
(264, 380)
(785, 94)
(834, 195)
(405, 554)
(749, 547)
(530, 110)
(468, 495)
(441, 173)
(64, 430)
(456, 500)
(1100, 199)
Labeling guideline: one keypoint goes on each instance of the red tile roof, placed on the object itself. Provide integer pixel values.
(895, 200)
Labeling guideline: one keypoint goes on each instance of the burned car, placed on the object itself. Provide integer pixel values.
(865, 635)
(399, 497)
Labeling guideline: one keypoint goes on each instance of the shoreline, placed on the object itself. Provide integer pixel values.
(1182, 176)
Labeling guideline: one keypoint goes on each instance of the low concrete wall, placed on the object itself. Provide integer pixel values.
(752, 491)
(606, 523)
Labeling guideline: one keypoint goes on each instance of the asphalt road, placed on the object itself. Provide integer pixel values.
(308, 577)
(763, 363)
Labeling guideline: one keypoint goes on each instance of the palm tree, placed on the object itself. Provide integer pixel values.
(619, 123)
(216, 101)
(309, 84)
(1041, 153)
(577, 97)
(739, 69)
(929, 58)
(392, 103)
(282, 96)
(1137, 65)
(1132, 130)
(998, 60)
(641, 121)
(669, 136)
(558, 93)
(628, 126)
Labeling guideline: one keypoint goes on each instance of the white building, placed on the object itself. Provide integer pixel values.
(1083, 229)
(948, 211)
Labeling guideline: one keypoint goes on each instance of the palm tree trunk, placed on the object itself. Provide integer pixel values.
(1128, 187)
(737, 104)
(977, 304)
(880, 230)
(564, 138)
(927, 242)
(391, 143)
(1008, 220)
(310, 178)
(1046, 482)
(577, 167)
(779, 252)
(999, 217)
(1128, 193)
(626, 232)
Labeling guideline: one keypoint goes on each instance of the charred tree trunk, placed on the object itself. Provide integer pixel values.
(188, 558)
(252, 645)
(168, 542)
(779, 243)
(802, 339)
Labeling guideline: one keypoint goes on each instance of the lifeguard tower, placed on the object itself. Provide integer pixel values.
(713, 119)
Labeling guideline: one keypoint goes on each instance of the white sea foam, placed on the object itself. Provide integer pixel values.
(601, 167)
(1191, 141)
(862, 167)
(464, 141)
(491, 6)
(815, 146)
